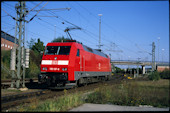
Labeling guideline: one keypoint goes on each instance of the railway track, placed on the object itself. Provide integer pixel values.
(6, 83)
(15, 100)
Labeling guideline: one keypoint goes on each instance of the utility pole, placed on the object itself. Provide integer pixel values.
(153, 56)
(21, 21)
(162, 55)
(112, 48)
(138, 67)
(158, 48)
(100, 31)
(20, 33)
(55, 32)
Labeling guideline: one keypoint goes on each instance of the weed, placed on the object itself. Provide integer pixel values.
(133, 94)
(154, 76)
(63, 103)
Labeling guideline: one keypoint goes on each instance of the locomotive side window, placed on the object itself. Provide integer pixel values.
(78, 52)
(57, 50)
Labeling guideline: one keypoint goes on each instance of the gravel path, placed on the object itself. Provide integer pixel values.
(106, 107)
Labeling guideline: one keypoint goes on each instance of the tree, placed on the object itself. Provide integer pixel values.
(38, 47)
(119, 70)
(60, 39)
(31, 43)
(35, 58)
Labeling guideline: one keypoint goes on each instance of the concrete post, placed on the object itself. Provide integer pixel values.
(143, 69)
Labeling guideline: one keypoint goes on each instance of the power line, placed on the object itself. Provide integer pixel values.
(110, 27)
(9, 14)
(83, 17)
(44, 20)
(4, 16)
(32, 9)
(85, 31)
(54, 9)
(49, 23)
(68, 21)
(50, 12)
(37, 13)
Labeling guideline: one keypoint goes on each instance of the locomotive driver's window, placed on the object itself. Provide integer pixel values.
(57, 50)
(78, 52)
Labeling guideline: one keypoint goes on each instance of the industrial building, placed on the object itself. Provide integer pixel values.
(7, 41)
(162, 67)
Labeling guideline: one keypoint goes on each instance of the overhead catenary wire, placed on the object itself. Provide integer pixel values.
(32, 17)
(23, 16)
(47, 16)
(93, 35)
(37, 13)
(64, 20)
(53, 9)
(80, 15)
(103, 20)
(32, 9)
(59, 17)
(49, 23)
(10, 7)
(28, 30)
(50, 12)
(40, 19)
(87, 31)
(9, 14)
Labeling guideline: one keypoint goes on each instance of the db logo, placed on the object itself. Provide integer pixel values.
(55, 62)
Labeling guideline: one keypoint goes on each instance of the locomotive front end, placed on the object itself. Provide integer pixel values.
(54, 65)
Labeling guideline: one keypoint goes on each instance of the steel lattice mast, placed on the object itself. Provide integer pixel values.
(20, 35)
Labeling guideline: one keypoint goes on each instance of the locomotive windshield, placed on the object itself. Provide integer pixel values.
(57, 50)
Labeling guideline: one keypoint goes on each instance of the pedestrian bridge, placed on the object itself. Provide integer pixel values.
(142, 63)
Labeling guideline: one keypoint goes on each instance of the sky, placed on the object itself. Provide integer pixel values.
(128, 28)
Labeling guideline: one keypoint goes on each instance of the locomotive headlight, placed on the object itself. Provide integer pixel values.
(44, 68)
(64, 69)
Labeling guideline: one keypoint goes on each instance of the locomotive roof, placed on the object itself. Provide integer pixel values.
(86, 48)
(59, 43)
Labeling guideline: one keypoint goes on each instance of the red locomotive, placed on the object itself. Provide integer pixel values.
(67, 64)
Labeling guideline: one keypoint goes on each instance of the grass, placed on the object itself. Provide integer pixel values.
(63, 103)
(134, 93)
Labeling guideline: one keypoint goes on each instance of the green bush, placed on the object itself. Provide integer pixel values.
(5, 61)
(32, 71)
(5, 57)
(4, 74)
(165, 74)
(154, 76)
(34, 65)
